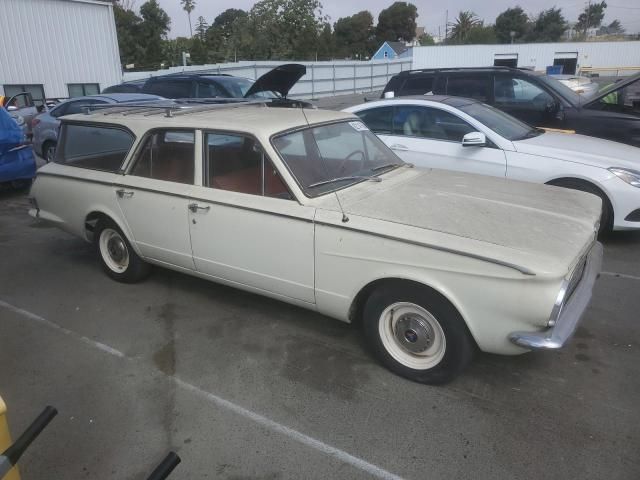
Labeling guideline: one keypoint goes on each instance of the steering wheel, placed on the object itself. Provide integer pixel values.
(348, 159)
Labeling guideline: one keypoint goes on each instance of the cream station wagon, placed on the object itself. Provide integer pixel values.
(310, 207)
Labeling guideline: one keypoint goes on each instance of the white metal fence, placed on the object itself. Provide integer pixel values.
(322, 78)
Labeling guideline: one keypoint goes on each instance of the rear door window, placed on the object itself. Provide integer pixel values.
(421, 85)
(95, 147)
(379, 120)
(431, 123)
(167, 155)
(470, 86)
(169, 88)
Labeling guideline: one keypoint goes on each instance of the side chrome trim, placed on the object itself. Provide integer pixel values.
(523, 270)
(186, 197)
(573, 310)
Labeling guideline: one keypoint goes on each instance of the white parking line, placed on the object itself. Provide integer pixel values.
(620, 275)
(226, 404)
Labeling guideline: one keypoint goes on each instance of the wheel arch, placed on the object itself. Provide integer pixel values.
(95, 215)
(566, 180)
(358, 302)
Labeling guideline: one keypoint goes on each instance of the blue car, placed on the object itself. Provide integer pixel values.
(17, 161)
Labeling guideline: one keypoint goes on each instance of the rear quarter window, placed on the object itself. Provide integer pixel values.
(94, 147)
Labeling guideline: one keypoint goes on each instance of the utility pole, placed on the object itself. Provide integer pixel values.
(446, 24)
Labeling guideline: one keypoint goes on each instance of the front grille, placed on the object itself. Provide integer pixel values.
(575, 278)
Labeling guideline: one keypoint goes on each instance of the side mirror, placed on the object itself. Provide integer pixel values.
(474, 139)
(12, 108)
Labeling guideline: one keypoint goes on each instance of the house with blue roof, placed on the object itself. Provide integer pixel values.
(391, 51)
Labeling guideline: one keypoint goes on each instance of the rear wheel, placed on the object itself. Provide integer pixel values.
(117, 257)
(417, 333)
(49, 151)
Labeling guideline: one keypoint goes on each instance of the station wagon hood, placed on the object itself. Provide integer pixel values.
(542, 228)
(281, 79)
(582, 149)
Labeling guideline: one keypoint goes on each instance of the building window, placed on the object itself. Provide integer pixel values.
(83, 89)
(386, 54)
(36, 91)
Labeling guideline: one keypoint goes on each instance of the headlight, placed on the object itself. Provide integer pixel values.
(632, 177)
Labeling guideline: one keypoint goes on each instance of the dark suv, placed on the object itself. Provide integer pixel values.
(539, 100)
(273, 84)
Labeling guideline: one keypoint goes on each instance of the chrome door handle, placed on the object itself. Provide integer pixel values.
(194, 207)
(397, 146)
(122, 193)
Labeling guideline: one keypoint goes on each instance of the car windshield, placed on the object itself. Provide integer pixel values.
(503, 124)
(561, 89)
(238, 87)
(330, 157)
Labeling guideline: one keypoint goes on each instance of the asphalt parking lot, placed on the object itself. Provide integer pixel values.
(245, 387)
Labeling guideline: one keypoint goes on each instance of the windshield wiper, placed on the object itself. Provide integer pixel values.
(388, 165)
(341, 179)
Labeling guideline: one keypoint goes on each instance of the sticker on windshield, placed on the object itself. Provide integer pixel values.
(358, 126)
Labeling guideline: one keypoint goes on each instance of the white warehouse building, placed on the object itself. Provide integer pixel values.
(57, 48)
(605, 58)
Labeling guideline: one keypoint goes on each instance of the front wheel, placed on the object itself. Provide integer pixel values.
(417, 333)
(117, 257)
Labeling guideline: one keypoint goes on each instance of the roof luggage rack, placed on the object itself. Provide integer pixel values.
(186, 106)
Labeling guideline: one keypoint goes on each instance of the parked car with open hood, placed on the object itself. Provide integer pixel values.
(539, 100)
(463, 134)
(47, 124)
(206, 85)
(310, 207)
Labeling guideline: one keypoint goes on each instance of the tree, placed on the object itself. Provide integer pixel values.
(154, 28)
(354, 35)
(549, 26)
(481, 35)
(398, 22)
(462, 25)
(591, 17)
(201, 28)
(188, 6)
(511, 20)
(128, 28)
(221, 41)
(614, 28)
(282, 29)
(326, 43)
(426, 40)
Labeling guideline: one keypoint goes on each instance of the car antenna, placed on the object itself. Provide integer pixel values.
(345, 219)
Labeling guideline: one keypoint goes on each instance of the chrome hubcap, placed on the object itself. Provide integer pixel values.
(413, 333)
(117, 249)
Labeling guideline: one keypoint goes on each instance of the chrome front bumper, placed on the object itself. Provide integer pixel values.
(572, 311)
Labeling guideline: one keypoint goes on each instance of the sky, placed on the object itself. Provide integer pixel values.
(432, 13)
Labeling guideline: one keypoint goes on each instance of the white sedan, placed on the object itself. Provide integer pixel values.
(462, 134)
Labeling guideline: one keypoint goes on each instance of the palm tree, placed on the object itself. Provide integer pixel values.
(465, 22)
(188, 6)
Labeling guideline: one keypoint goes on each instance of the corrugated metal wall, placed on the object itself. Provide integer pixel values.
(57, 42)
(537, 55)
(322, 78)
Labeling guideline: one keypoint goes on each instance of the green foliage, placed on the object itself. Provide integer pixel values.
(591, 17)
(511, 20)
(614, 28)
(426, 40)
(398, 22)
(153, 29)
(549, 26)
(461, 26)
(354, 35)
(188, 6)
(128, 28)
(481, 35)
(201, 28)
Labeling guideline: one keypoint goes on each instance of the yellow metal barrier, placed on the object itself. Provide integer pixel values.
(5, 441)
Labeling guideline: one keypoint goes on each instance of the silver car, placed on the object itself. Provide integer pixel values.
(583, 86)
(46, 125)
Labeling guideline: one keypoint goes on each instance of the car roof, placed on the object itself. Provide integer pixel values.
(257, 118)
(445, 99)
(116, 97)
(406, 73)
